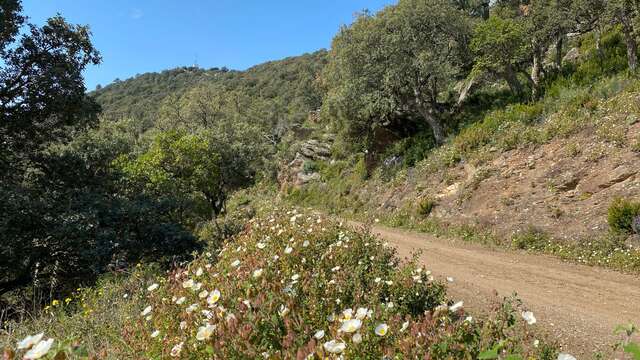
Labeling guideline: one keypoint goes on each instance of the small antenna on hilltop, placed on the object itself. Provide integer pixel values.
(195, 62)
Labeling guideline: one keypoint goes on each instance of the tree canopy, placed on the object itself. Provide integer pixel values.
(404, 61)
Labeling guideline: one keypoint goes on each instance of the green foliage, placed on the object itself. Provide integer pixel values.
(622, 214)
(287, 293)
(309, 167)
(63, 217)
(280, 93)
(499, 43)
(397, 65)
(425, 206)
(530, 239)
(609, 60)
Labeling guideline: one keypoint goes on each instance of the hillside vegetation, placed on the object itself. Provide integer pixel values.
(134, 217)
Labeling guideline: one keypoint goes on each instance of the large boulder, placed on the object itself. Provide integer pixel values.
(295, 174)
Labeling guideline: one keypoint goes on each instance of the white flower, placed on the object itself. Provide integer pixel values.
(199, 272)
(565, 356)
(305, 243)
(29, 341)
(469, 319)
(450, 279)
(155, 334)
(41, 349)
(153, 287)
(295, 277)
(188, 284)
(146, 311)
(536, 343)
(183, 325)
(334, 347)
(405, 326)
(529, 317)
(261, 245)
(457, 306)
(288, 250)
(214, 296)
(356, 338)
(361, 313)
(257, 273)
(335, 268)
(347, 314)
(192, 308)
(205, 332)
(181, 300)
(283, 310)
(351, 326)
(319, 334)
(203, 294)
(377, 280)
(382, 329)
(236, 263)
(389, 282)
(196, 287)
(176, 350)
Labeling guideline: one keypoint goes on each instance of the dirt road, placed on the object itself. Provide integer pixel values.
(578, 305)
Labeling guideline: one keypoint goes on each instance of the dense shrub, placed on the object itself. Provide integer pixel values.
(293, 286)
(309, 166)
(622, 214)
(425, 206)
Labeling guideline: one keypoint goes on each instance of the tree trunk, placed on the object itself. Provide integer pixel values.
(511, 78)
(435, 124)
(535, 72)
(559, 46)
(629, 39)
(469, 84)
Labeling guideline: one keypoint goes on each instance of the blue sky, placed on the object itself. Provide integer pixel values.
(137, 36)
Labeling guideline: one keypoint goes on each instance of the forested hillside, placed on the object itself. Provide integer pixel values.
(288, 87)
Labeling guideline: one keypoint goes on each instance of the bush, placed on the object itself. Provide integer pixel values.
(622, 214)
(309, 166)
(530, 239)
(425, 206)
(283, 289)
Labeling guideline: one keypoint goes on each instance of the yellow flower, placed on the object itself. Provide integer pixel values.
(67, 300)
(55, 303)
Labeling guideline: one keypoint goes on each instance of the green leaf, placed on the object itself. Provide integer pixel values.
(633, 349)
(489, 354)
(513, 357)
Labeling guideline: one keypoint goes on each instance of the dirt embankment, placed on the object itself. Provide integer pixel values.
(563, 188)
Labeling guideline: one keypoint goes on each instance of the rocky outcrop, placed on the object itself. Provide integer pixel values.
(300, 170)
